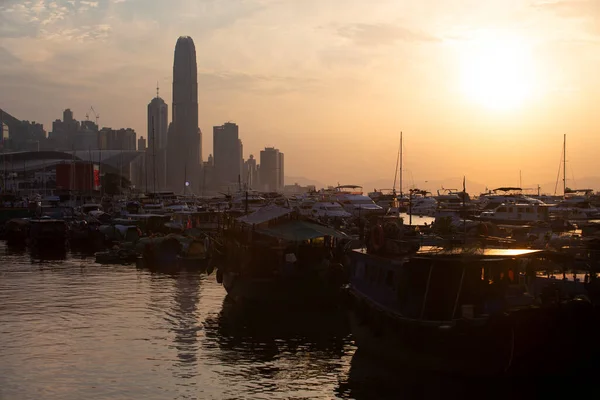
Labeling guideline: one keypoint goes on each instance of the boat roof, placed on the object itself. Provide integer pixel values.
(348, 187)
(298, 230)
(265, 214)
(479, 254)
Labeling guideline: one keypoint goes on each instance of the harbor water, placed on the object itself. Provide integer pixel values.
(73, 329)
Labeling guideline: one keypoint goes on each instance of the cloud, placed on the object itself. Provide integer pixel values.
(7, 58)
(254, 83)
(571, 8)
(364, 34)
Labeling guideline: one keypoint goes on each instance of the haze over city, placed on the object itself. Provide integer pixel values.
(482, 89)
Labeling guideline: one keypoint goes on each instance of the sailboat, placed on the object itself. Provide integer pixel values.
(576, 203)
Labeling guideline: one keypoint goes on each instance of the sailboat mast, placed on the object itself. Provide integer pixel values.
(565, 165)
(400, 163)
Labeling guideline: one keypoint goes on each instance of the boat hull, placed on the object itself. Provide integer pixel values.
(281, 291)
(532, 342)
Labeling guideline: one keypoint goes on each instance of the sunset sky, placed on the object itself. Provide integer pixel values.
(480, 88)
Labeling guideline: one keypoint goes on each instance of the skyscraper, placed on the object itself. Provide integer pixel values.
(227, 153)
(156, 153)
(270, 169)
(184, 148)
(158, 111)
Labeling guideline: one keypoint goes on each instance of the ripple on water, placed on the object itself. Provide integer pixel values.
(72, 329)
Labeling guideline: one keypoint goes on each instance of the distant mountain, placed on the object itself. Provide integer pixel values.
(302, 181)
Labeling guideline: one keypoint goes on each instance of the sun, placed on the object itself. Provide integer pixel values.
(498, 71)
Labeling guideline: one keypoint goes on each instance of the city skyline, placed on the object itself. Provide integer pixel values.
(338, 85)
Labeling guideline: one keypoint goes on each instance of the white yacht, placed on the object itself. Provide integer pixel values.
(512, 214)
(254, 202)
(423, 205)
(509, 195)
(329, 209)
(575, 207)
(355, 202)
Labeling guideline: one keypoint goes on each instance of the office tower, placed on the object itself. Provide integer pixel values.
(184, 137)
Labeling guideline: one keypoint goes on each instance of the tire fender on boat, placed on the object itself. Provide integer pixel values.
(219, 275)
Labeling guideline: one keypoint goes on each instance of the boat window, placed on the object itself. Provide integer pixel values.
(510, 209)
(502, 209)
(528, 210)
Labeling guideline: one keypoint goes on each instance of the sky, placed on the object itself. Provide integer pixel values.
(483, 89)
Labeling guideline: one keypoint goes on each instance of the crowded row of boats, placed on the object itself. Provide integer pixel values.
(486, 287)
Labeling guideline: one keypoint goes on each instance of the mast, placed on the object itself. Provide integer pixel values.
(565, 165)
(400, 164)
(184, 176)
(396, 173)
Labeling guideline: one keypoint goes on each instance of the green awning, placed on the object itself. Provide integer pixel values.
(296, 231)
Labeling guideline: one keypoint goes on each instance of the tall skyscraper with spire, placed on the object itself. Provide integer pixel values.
(158, 121)
(184, 147)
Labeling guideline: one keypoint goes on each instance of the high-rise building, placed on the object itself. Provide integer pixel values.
(156, 151)
(141, 144)
(226, 152)
(184, 148)
(280, 173)
(251, 173)
(113, 139)
(158, 123)
(270, 169)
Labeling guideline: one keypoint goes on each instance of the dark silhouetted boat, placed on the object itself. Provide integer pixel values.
(468, 311)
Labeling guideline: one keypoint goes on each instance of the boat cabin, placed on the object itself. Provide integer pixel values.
(441, 286)
(517, 213)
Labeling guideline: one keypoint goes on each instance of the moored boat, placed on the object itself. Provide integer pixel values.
(466, 311)
(270, 256)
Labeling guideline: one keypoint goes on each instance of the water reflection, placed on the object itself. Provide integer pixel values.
(185, 322)
(276, 351)
(44, 254)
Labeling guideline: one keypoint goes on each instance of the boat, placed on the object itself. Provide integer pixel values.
(273, 257)
(505, 195)
(422, 203)
(47, 233)
(195, 254)
(517, 214)
(353, 200)
(466, 312)
(17, 231)
(576, 205)
(247, 202)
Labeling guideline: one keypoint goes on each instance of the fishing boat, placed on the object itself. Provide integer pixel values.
(466, 311)
(47, 233)
(272, 256)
